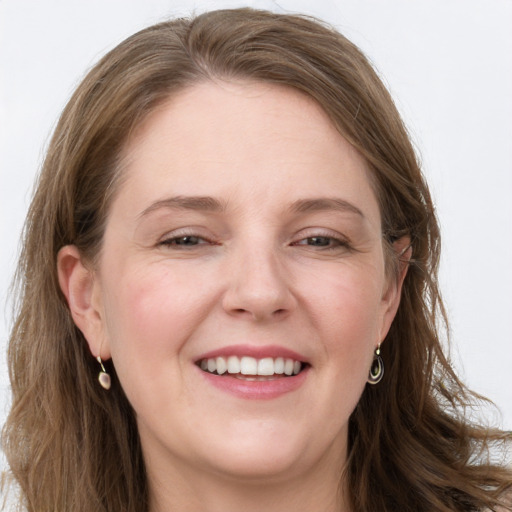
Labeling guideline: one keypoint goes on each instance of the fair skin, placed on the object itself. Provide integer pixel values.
(246, 226)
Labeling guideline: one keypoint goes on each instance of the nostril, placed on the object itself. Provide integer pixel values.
(258, 301)
(276, 313)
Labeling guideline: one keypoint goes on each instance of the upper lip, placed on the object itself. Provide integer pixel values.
(256, 351)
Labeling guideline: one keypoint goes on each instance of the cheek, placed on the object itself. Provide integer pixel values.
(347, 312)
(350, 301)
(151, 313)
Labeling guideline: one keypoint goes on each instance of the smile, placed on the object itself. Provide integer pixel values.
(255, 372)
(247, 366)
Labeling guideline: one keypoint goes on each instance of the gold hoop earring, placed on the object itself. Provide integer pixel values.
(377, 368)
(103, 376)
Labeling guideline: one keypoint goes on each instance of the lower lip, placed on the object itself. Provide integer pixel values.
(257, 389)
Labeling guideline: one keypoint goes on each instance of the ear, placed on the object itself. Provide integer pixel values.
(82, 291)
(401, 253)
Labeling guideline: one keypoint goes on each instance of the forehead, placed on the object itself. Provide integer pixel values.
(208, 111)
(243, 139)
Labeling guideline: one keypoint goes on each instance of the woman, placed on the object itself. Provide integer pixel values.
(232, 230)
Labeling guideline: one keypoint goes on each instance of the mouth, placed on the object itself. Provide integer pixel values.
(249, 368)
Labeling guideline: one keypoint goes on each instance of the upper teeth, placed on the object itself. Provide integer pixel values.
(251, 366)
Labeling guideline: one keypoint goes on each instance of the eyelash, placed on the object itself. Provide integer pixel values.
(333, 243)
(175, 241)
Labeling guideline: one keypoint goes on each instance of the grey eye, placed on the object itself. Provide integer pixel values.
(187, 240)
(319, 241)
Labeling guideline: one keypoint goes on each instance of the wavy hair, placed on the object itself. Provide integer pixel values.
(69, 445)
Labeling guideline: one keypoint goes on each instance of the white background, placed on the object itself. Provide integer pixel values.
(448, 64)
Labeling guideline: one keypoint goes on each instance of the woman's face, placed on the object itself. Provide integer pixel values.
(244, 240)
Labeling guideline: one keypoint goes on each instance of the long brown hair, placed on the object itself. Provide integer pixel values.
(70, 446)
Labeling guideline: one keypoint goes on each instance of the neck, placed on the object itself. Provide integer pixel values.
(186, 489)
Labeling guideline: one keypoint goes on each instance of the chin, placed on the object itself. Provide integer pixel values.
(258, 464)
(265, 452)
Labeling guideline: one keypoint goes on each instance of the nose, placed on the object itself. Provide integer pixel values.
(259, 286)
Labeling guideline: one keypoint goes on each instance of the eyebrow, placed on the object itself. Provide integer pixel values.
(200, 203)
(325, 204)
(210, 204)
